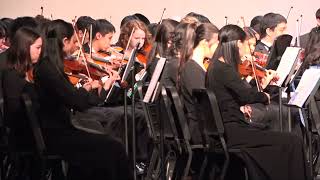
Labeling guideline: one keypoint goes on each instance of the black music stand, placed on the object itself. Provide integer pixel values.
(278, 48)
(286, 85)
(307, 109)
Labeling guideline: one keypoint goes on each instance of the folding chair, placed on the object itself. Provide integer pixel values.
(212, 129)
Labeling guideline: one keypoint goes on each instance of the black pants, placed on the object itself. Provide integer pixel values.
(113, 122)
(90, 156)
(278, 155)
(269, 116)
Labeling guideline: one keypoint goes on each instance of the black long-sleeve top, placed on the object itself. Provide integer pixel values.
(230, 91)
(58, 96)
(13, 86)
(192, 77)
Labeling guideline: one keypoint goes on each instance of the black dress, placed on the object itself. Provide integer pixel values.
(104, 156)
(277, 156)
(192, 77)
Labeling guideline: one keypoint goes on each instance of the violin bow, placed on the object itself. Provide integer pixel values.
(81, 50)
(254, 72)
(164, 10)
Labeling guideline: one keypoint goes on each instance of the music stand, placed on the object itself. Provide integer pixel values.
(307, 105)
(278, 48)
(287, 70)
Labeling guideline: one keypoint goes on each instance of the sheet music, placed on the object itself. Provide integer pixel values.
(154, 80)
(286, 64)
(310, 78)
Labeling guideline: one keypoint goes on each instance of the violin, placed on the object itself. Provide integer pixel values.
(246, 68)
(261, 58)
(73, 67)
(142, 55)
(112, 58)
(249, 67)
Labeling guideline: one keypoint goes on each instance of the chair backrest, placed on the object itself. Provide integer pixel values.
(211, 123)
(34, 124)
(167, 117)
(178, 114)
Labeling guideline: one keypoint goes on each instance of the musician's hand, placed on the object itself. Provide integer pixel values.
(271, 75)
(95, 84)
(87, 86)
(113, 76)
(247, 111)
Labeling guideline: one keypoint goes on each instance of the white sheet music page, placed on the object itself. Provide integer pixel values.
(307, 83)
(154, 80)
(286, 63)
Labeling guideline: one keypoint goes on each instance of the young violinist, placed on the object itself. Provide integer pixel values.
(270, 155)
(266, 115)
(102, 33)
(161, 48)
(112, 118)
(255, 25)
(140, 36)
(91, 156)
(83, 23)
(198, 43)
(272, 25)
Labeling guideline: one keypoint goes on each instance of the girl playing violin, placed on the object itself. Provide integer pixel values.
(263, 148)
(161, 48)
(140, 36)
(92, 156)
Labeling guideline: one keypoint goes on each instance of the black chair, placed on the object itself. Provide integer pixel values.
(4, 131)
(156, 113)
(212, 129)
(184, 134)
(40, 157)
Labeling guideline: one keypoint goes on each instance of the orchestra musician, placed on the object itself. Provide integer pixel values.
(89, 155)
(112, 118)
(271, 155)
(199, 43)
(140, 35)
(272, 25)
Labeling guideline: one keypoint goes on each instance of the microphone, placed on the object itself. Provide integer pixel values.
(289, 12)
(226, 17)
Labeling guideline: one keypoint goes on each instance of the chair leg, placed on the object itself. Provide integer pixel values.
(153, 162)
(203, 167)
(170, 169)
(225, 167)
(188, 164)
(246, 173)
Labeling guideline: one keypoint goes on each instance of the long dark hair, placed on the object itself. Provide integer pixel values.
(183, 41)
(312, 52)
(19, 56)
(56, 31)
(228, 47)
(164, 35)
